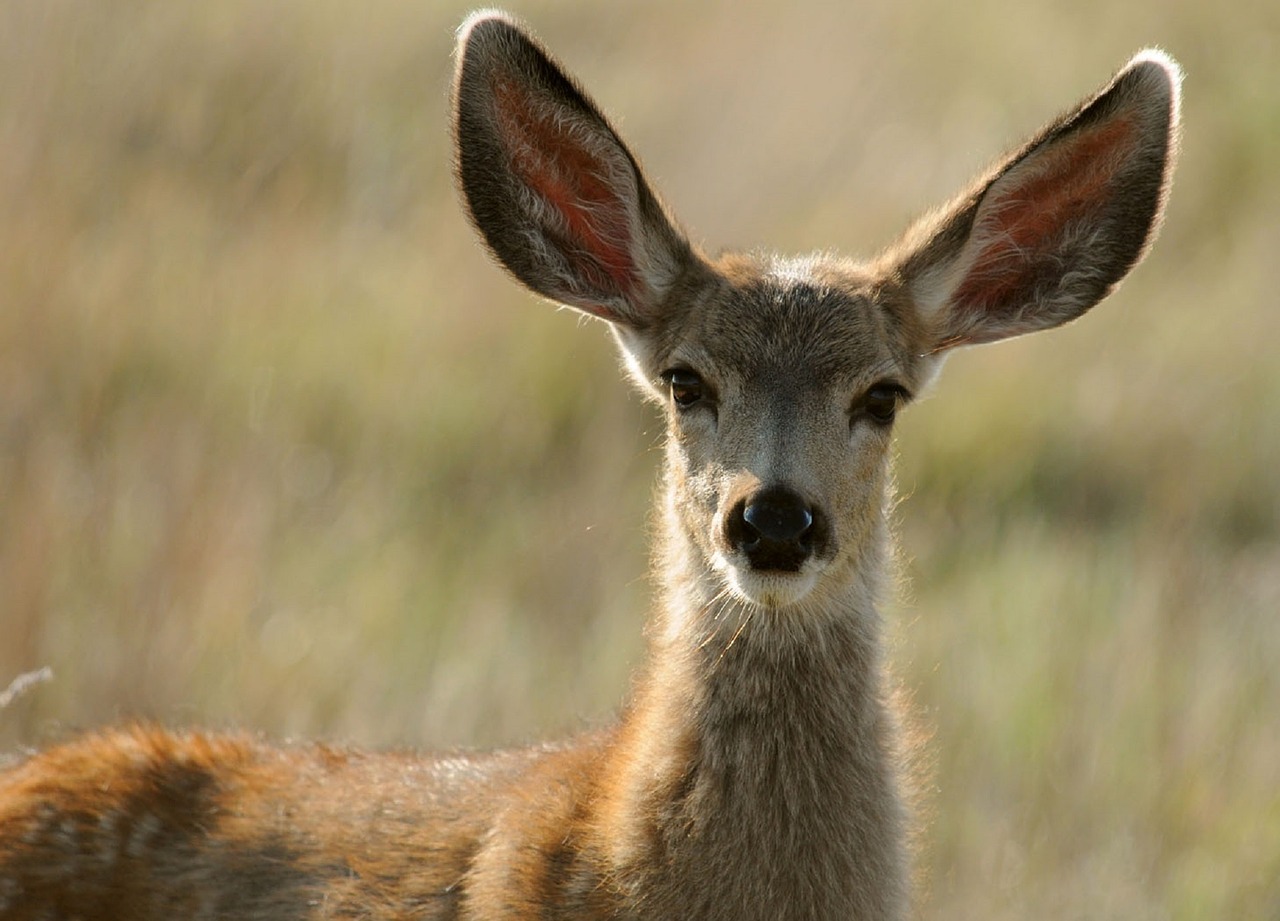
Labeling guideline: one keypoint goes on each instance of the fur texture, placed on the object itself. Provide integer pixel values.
(757, 771)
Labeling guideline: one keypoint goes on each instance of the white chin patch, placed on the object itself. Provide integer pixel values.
(769, 589)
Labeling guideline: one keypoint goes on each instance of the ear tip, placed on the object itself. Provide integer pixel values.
(487, 24)
(1157, 72)
(1157, 58)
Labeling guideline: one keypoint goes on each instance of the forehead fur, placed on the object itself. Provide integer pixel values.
(761, 315)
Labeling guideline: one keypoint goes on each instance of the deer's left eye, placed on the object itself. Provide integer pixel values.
(880, 403)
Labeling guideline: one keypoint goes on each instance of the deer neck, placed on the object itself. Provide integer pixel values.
(761, 740)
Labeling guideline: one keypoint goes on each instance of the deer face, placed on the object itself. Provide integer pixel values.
(781, 377)
(781, 380)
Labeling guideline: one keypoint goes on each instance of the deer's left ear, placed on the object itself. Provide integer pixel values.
(1053, 229)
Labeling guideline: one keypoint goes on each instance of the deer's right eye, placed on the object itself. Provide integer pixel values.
(686, 387)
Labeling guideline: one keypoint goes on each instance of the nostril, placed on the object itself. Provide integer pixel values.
(738, 531)
(778, 520)
(775, 529)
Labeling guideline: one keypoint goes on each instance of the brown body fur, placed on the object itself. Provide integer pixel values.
(756, 772)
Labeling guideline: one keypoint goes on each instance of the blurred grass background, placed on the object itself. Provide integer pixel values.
(279, 448)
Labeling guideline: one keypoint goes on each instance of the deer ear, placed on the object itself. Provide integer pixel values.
(554, 192)
(1052, 230)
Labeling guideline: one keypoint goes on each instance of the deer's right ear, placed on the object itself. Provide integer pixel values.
(557, 196)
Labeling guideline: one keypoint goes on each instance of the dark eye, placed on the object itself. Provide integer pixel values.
(881, 403)
(686, 386)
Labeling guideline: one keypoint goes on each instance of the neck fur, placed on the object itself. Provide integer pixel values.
(761, 740)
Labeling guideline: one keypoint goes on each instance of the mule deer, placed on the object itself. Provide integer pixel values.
(756, 772)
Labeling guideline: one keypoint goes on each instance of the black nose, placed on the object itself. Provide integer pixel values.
(775, 529)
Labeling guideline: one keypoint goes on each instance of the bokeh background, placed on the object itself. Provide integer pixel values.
(280, 449)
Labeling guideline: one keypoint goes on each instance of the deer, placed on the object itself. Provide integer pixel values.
(759, 769)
